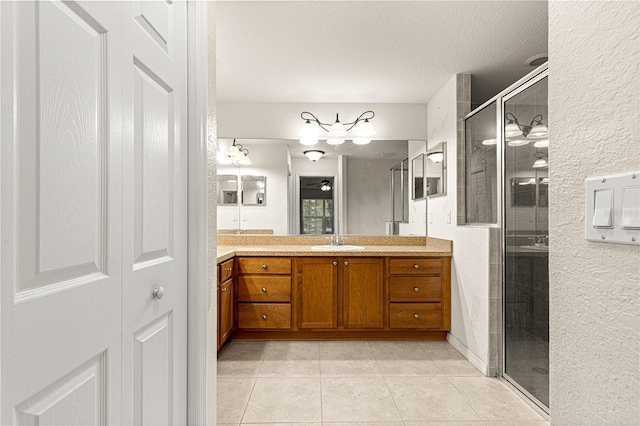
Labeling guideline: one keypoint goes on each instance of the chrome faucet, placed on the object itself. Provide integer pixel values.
(336, 240)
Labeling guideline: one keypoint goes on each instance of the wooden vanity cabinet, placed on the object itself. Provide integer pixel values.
(225, 301)
(264, 293)
(329, 286)
(419, 293)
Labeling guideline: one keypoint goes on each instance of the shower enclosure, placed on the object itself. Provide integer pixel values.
(506, 188)
(399, 195)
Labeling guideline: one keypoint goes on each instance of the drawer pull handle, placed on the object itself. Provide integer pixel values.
(335, 263)
(416, 316)
(224, 289)
(229, 269)
(264, 317)
(346, 263)
(416, 289)
(264, 266)
(264, 290)
(415, 265)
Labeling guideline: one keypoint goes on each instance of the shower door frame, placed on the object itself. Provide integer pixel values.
(515, 89)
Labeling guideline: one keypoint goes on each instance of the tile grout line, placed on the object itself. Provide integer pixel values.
(255, 381)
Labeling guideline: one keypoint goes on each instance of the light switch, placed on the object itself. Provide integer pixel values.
(448, 216)
(603, 207)
(631, 208)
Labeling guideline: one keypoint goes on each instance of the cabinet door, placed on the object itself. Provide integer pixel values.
(363, 293)
(218, 316)
(318, 292)
(226, 310)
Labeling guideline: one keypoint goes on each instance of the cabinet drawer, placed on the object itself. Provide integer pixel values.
(264, 265)
(415, 289)
(414, 266)
(264, 315)
(226, 271)
(415, 315)
(257, 288)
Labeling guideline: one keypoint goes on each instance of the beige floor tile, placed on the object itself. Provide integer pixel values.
(292, 353)
(346, 353)
(344, 344)
(365, 424)
(240, 361)
(493, 400)
(394, 344)
(357, 399)
(248, 344)
(294, 344)
(477, 423)
(429, 399)
(290, 368)
(450, 362)
(517, 423)
(240, 353)
(349, 368)
(284, 400)
(423, 367)
(232, 396)
(282, 424)
(400, 354)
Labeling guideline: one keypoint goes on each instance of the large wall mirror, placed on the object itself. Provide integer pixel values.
(418, 187)
(435, 170)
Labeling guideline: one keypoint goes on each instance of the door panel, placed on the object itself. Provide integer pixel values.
(318, 293)
(155, 220)
(363, 293)
(61, 213)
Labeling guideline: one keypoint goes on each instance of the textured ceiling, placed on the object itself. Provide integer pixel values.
(374, 52)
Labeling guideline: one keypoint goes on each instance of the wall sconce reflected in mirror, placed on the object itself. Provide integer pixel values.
(541, 161)
(436, 157)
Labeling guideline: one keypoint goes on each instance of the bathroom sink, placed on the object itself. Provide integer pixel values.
(337, 248)
(539, 248)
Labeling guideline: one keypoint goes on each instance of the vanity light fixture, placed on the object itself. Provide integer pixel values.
(238, 154)
(541, 161)
(314, 154)
(436, 157)
(542, 143)
(535, 130)
(490, 142)
(337, 131)
(326, 186)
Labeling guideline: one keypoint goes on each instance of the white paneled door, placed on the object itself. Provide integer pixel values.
(93, 220)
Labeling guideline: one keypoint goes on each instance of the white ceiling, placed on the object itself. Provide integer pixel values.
(374, 51)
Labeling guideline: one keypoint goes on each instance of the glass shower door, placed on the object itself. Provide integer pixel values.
(526, 241)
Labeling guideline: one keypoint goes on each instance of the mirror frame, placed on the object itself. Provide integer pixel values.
(440, 147)
(253, 178)
(219, 198)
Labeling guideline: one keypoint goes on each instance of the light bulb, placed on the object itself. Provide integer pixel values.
(489, 142)
(221, 158)
(518, 142)
(542, 143)
(512, 130)
(308, 141)
(540, 163)
(361, 141)
(365, 129)
(436, 157)
(337, 129)
(538, 131)
(309, 130)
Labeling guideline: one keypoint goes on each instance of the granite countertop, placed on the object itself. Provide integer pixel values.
(227, 252)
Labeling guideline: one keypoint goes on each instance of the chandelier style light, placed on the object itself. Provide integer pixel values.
(238, 154)
(337, 132)
(520, 134)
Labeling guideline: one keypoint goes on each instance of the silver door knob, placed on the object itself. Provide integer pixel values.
(158, 292)
(264, 290)
(346, 263)
(416, 289)
(264, 317)
(229, 269)
(335, 263)
(264, 266)
(416, 266)
(224, 289)
(416, 316)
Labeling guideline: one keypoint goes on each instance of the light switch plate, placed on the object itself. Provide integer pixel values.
(612, 209)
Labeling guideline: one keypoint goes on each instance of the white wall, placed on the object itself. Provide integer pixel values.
(470, 262)
(594, 105)
(369, 209)
(282, 120)
(269, 161)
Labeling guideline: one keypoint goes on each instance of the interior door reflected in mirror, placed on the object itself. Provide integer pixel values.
(254, 190)
(435, 170)
(227, 190)
(417, 165)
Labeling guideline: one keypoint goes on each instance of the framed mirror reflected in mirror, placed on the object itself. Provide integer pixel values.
(435, 170)
(418, 187)
(227, 190)
(254, 190)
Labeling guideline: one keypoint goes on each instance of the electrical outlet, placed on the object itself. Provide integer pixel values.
(430, 217)
(234, 218)
(448, 216)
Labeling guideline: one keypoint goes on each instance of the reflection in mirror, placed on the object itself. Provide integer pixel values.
(254, 190)
(227, 190)
(523, 191)
(316, 205)
(435, 167)
(418, 177)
